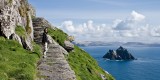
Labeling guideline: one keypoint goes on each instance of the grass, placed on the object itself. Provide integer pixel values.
(85, 67)
(17, 63)
(58, 35)
(20, 31)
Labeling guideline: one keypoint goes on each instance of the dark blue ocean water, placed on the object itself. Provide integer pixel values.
(147, 67)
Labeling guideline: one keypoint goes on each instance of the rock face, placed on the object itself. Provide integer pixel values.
(15, 13)
(16, 37)
(120, 54)
(68, 46)
(9, 17)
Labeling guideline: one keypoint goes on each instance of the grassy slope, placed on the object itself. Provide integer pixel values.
(85, 67)
(17, 63)
(58, 35)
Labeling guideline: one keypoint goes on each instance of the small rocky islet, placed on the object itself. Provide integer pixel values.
(120, 54)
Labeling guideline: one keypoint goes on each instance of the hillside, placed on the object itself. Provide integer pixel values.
(21, 52)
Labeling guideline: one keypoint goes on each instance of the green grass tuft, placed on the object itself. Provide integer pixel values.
(17, 63)
(58, 35)
(20, 31)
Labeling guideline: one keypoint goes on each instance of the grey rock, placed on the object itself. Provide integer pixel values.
(9, 17)
(32, 10)
(30, 25)
(68, 46)
(16, 37)
(41, 22)
(27, 43)
(120, 54)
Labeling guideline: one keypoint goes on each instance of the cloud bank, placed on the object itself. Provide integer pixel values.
(133, 27)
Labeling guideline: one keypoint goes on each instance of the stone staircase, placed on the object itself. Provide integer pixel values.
(55, 66)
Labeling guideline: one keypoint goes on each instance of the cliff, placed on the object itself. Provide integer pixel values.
(20, 49)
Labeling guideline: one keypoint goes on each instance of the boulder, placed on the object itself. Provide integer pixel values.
(120, 54)
(68, 46)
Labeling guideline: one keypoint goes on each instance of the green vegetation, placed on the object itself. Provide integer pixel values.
(58, 35)
(10, 1)
(28, 28)
(20, 31)
(85, 67)
(17, 63)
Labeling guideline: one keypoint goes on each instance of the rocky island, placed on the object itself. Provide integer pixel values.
(120, 54)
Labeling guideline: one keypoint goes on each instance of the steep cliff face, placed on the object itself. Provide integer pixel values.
(14, 13)
(18, 22)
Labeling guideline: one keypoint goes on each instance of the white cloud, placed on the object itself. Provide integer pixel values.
(137, 16)
(130, 29)
(130, 23)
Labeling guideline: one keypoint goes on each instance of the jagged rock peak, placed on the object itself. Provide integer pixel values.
(120, 54)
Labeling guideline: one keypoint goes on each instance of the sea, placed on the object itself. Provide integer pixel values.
(146, 67)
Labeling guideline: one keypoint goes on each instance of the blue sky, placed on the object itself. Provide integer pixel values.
(79, 17)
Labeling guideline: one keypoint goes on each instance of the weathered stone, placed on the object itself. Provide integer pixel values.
(32, 10)
(41, 22)
(27, 43)
(55, 66)
(68, 46)
(9, 17)
(30, 25)
(16, 37)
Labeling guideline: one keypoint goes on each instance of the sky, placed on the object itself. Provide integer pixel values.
(104, 20)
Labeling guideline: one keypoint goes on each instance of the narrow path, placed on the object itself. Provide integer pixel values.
(55, 66)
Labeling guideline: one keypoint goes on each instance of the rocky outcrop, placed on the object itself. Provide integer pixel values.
(15, 13)
(27, 44)
(29, 27)
(32, 11)
(68, 46)
(16, 37)
(9, 17)
(120, 54)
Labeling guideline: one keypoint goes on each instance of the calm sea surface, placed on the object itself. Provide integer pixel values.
(147, 67)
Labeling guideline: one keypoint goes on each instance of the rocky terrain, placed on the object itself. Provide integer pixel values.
(19, 24)
(120, 54)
